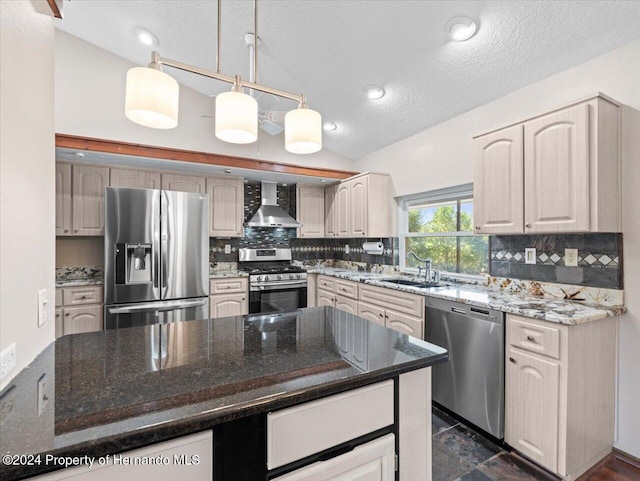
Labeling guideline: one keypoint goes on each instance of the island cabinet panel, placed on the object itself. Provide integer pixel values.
(183, 183)
(297, 432)
(63, 199)
(414, 413)
(135, 179)
(373, 461)
(226, 206)
(190, 457)
(88, 199)
(498, 182)
(310, 211)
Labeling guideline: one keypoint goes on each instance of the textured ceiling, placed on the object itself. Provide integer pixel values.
(331, 49)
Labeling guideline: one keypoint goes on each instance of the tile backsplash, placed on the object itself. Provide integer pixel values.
(319, 249)
(599, 258)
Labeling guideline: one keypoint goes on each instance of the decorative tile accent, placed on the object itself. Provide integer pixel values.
(590, 259)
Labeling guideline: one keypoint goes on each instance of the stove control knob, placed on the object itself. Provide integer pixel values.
(299, 276)
(259, 278)
(266, 278)
(279, 277)
(292, 276)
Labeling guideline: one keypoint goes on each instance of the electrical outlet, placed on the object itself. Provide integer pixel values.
(346, 249)
(530, 255)
(42, 307)
(571, 257)
(43, 394)
(227, 248)
(7, 360)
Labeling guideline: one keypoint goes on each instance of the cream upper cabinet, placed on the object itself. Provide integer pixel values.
(183, 183)
(498, 182)
(310, 210)
(358, 213)
(226, 206)
(135, 179)
(330, 211)
(343, 210)
(556, 153)
(568, 179)
(560, 392)
(88, 199)
(63, 199)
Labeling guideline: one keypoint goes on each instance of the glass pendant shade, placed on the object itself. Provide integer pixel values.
(303, 131)
(236, 118)
(151, 98)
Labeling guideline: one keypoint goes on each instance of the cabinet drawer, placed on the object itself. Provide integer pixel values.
(402, 302)
(73, 296)
(347, 289)
(229, 285)
(58, 297)
(309, 428)
(327, 283)
(533, 336)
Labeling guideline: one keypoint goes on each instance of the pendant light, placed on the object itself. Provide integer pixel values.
(236, 116)
(152, 100)
(151, 97)
(303, 130)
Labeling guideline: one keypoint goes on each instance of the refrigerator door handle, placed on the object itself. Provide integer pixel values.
(157, 306)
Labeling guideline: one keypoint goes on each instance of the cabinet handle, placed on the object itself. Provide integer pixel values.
(477, 227)
(66, 230)
(381, 315)
(527, 226)
(66, 314)
(75, 231)
(531, 339)
(512, 360)
(83, 297)
(386, 316)
(243, 298)
(57, 315)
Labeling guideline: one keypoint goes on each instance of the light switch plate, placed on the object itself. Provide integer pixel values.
(571, 257)
(42, 307)
(530, 255)
(7, 360)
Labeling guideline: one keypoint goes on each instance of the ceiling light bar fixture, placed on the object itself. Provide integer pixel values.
(152, 100)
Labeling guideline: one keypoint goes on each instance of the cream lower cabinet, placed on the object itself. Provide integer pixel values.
(560, 392)
(189, 457)
(229, 297)
(79, 309)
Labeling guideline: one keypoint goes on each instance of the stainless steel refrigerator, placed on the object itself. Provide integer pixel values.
(156, 250)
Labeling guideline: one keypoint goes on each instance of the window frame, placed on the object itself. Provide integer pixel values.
(457, 194)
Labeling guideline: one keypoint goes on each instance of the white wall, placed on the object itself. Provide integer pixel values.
(90, 89)
(26, 177)
(441, 157)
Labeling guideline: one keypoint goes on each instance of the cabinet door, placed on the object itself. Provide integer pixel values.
(358, 213)
(371, 313)
(330, 210)
(63, 199)
(310, 205)
(226, 206)
(346, 304)
(135, 179)
(183, 183)
(407, 324)
(343, 210)
(82, 319)
(373, 461)
(532, 390)
(556, 171)
(325, 298)
(225, 305)
(88, 199)
(498, 182)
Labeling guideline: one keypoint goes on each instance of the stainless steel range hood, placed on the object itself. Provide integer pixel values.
(270, 214)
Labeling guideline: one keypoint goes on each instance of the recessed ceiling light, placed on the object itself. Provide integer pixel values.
(79, 154)
(227, 171)
(146, 37)
(329, 126)
(324, 181)
(460, 29)
(374, 92)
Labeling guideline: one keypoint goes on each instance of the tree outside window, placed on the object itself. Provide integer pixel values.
(443, 232)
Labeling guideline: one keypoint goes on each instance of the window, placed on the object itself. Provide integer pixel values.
(438, 225)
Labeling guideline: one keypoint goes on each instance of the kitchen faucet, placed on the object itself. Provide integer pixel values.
(429, 274)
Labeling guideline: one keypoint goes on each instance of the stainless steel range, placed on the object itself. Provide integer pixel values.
(274, 284)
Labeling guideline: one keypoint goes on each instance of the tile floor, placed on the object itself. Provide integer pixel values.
(461, 454)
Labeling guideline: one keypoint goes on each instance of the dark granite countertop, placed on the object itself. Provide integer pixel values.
(117, 390)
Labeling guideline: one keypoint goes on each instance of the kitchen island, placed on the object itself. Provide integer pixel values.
(242, 378)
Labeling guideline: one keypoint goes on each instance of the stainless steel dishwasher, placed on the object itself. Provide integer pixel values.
(471, 383)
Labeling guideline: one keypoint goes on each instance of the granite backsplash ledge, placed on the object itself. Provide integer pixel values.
(599, 259)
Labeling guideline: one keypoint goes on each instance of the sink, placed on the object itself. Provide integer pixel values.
(408, 282)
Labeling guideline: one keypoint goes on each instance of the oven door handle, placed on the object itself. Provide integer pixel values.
(276, 284)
